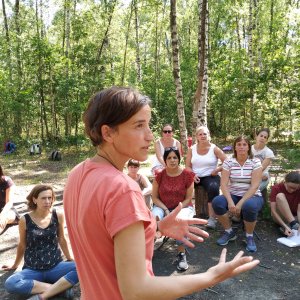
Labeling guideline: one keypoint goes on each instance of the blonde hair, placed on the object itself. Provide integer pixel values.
(202, 127)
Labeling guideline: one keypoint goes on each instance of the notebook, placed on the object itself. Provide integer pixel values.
(290, 241)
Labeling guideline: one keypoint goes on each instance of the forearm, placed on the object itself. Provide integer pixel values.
(251, 191)
(278, 219)
(169, 287)
(6, 207)
(186, 202)
(65, 249)
(19, 256)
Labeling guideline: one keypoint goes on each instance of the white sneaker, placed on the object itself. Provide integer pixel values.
(211, 223)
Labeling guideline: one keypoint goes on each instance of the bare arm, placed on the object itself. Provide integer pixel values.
(255, 181)
(188, 196)
(135, 282)
(147, 185)
(21, 246)
(225, 189)
(188, 160)
(221, 156)
(8, 199)
(61, 236)
(277, 218)
(158, 153)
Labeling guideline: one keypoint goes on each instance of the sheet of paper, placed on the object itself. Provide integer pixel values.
(291, 241)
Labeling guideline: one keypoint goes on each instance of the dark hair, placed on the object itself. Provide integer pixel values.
(1, 174)
(112, 107)
(246, 139)
(292, 177)
(168, 150)
(35, 193)
(133, 162)
(165, 126)
(267, 130)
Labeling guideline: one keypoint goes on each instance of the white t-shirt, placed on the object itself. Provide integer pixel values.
(261, 155)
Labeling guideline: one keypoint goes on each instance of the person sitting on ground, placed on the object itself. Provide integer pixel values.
(165, 141)
(240, 180)
(202, 158)
(144, 183)
(170, 187)
(285, 203)
(44, 272)
(8, 214)
(265, 154)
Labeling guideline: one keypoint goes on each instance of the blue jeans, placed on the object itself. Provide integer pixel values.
(22, 282)
(211, 184)
(249, 210)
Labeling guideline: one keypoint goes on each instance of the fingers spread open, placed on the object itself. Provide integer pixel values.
(198, 231)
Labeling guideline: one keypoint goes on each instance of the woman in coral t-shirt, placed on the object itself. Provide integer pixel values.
(170, 187)
(111, 229)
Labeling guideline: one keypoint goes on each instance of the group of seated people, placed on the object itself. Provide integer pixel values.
(243, 176)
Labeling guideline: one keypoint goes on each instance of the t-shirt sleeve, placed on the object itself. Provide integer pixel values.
(125, 210)
(270, 154)
(158, 176)
(226, 164)
(256, 164)
(274, 191)
(189, 178)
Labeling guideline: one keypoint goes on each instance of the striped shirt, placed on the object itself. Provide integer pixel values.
(240, 176)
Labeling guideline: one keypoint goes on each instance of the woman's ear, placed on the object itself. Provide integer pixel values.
(107, 133)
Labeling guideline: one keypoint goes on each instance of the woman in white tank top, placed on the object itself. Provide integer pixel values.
(202, 158)
(165, 141)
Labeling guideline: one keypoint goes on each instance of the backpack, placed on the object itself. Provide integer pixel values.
(35, 149)
(55, 155)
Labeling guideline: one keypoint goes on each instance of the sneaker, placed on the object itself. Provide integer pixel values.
(182, 264)
(295, 226)
(251, 247)
(227, 237)
(211, 223)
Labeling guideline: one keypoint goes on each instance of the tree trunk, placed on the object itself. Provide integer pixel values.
(137, 43)
(177, 77)
(200, 98)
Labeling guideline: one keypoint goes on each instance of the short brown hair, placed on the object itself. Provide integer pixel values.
(133, 162)
(247, 140)
(112, 107)
(35, 193)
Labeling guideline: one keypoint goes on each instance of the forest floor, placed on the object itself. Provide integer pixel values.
(277, 277)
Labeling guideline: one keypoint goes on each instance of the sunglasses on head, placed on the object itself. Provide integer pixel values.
(171, 148)
(167, 131)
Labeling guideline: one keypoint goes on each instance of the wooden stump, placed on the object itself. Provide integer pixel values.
(201, 201)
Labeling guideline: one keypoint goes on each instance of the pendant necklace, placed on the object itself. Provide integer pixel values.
(108, 160)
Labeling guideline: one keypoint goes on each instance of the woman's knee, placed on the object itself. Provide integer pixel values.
(72, 277)
(15, 284)
(251, 208)
(219, 205)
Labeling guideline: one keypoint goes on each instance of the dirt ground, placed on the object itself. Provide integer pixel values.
(277, 277)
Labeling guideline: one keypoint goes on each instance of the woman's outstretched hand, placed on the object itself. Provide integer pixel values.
(224, 270)
(182, 229)
(8, 268)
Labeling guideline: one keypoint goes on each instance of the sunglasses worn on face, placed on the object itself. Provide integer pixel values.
(171, 148)
(167, 131)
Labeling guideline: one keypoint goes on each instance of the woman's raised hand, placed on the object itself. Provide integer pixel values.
(182, 229)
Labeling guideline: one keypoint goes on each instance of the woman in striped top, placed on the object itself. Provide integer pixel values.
(241, 197)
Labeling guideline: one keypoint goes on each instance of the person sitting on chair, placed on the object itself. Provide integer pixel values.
(240, 180)
(8, 214)
(44, 272)
(144, 183)
(285, 203)
(264, 153)
(170, 187)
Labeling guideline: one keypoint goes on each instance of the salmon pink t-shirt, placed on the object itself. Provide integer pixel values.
(100, 201)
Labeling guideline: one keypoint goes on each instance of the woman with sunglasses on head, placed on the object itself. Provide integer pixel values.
(110, 227)
(285, 203)
(240, 180)
(202, 158)
(165, 141)
(171, 186)
(44, 272)
(133, 167)
(264, 153)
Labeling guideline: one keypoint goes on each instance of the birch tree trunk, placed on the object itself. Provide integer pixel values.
(200, 99)
(137, 43)
(176, 75)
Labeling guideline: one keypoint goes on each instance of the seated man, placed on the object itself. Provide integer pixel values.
(285, 203)
(133, 167)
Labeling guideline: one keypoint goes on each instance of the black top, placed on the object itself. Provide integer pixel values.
(42, 251)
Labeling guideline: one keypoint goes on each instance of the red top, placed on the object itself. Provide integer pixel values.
(172, 190)
(293, 199)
